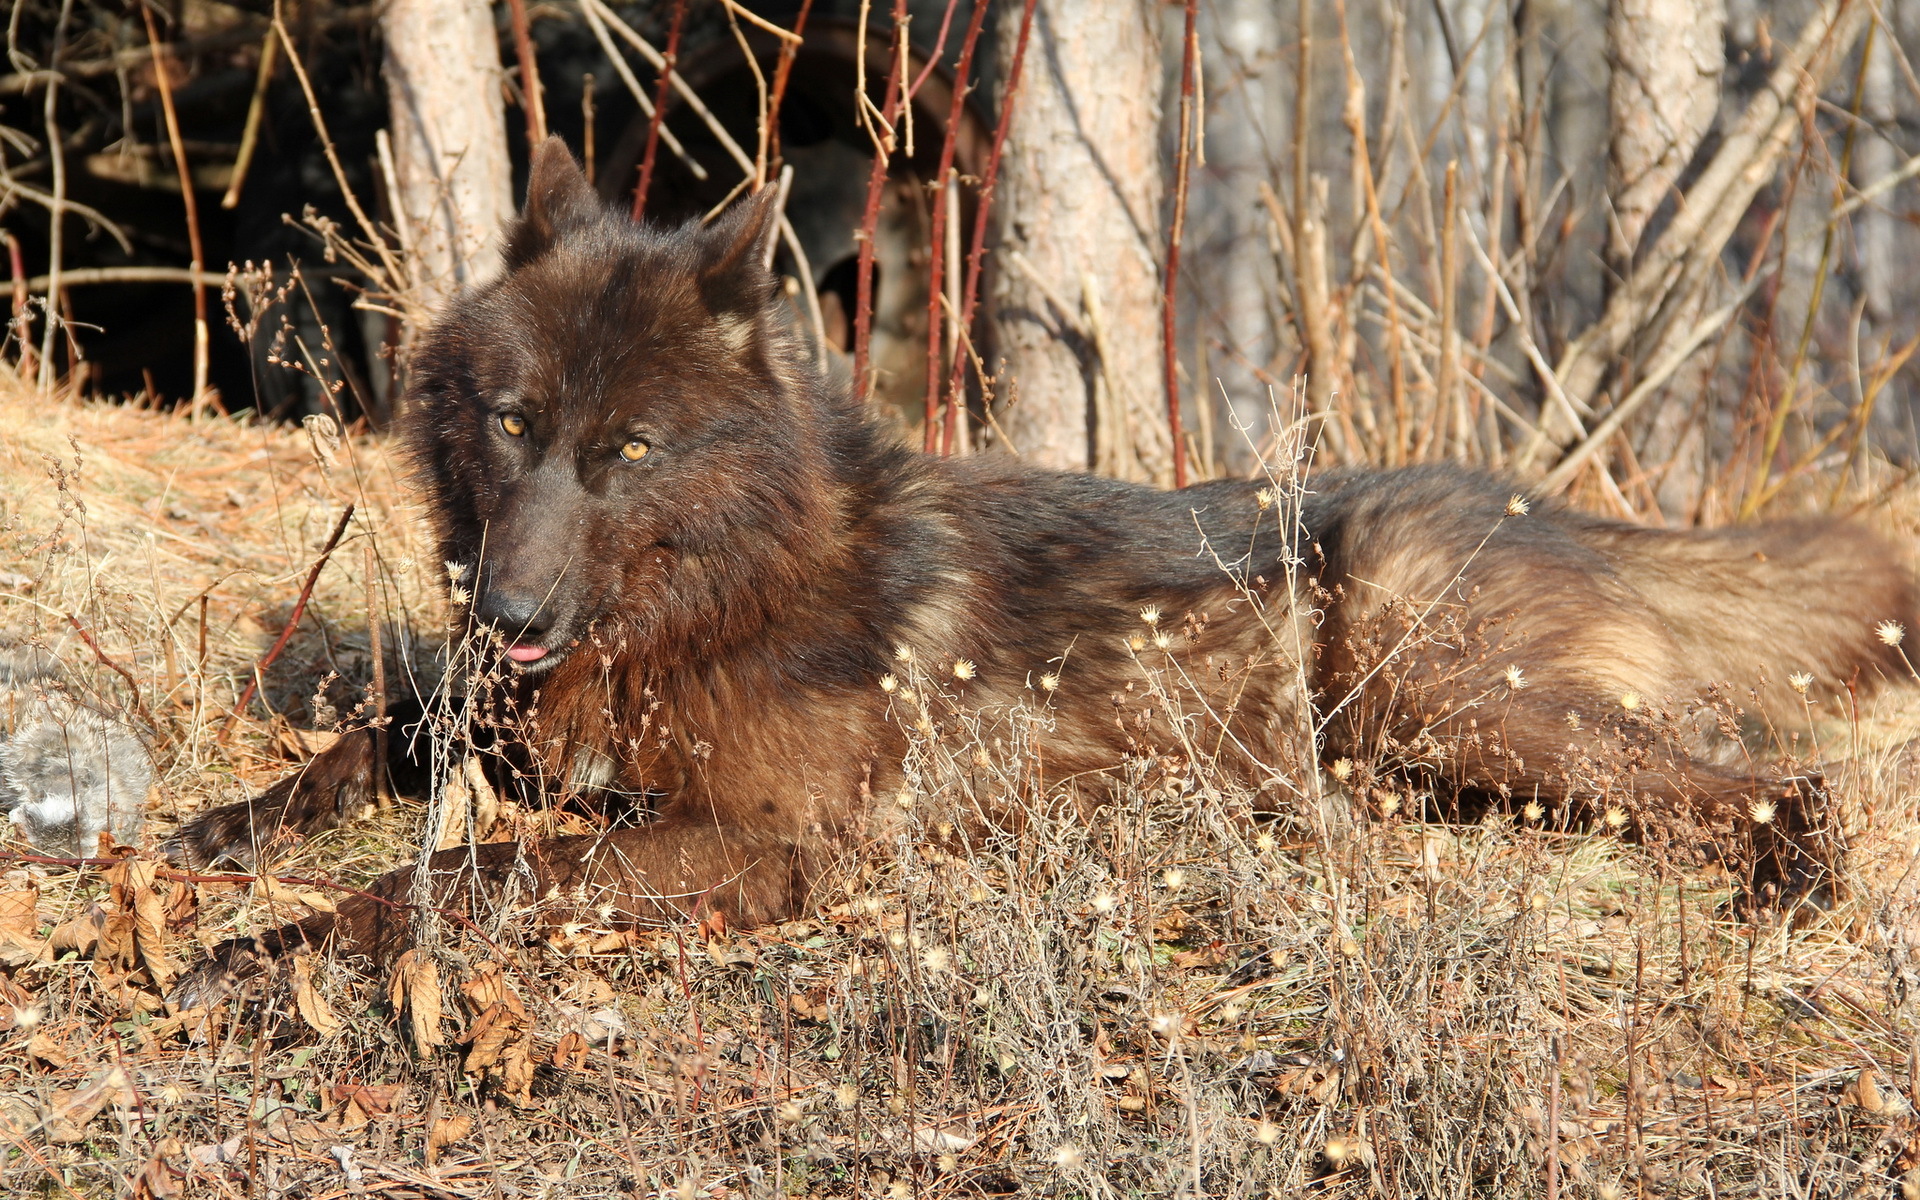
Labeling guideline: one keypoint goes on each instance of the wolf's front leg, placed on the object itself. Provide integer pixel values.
(330, 789)
(657, 873)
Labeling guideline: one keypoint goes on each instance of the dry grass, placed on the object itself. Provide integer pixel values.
(1170, 1000)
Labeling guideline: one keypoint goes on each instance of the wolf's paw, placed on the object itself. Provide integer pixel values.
(331, 789)
(231, 963)
(227, 835)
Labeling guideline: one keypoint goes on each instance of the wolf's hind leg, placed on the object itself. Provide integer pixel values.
(1780, 828)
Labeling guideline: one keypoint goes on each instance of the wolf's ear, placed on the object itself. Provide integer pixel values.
(733, 268)
(558, 198)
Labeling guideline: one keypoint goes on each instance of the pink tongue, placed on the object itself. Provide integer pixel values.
(525, 652)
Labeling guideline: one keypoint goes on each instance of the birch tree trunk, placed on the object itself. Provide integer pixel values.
(453, 180)
(1235, 270)
(1664, 90)
(1663, 93)
(1076, 297)
(1875, 229)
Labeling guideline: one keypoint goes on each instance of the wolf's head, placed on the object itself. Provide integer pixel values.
(616, 434)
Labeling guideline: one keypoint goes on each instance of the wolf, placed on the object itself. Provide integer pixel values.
(713, 583)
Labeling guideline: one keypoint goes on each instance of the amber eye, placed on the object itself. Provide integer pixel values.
(513, 423)
(634, 450)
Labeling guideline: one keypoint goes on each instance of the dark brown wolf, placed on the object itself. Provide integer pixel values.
(714, 583)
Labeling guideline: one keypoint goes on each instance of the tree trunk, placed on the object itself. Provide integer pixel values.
(1876, 230)
(453, 180)
(1663, 93)
(1076, 298)
(1233, 267)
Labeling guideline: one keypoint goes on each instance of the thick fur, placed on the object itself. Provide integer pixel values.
(716, 616)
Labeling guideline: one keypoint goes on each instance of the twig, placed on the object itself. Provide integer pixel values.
(396, 274)
(286, 632)
(1789, 391)
(1712, 208)
(133, 687)
(22, 320)
(792, 37)
(789, 50)
(658, 62)
(983, 205)
(1655, 378)
(192, 205)
(938, 266)
(620, 68)
(883, 144)
(57, 157)
(376, 642)
(658, 116)
(536, 106)
(1448, 396)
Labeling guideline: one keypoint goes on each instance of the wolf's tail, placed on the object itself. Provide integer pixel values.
(1764, 604)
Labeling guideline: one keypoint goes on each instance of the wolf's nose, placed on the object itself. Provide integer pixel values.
(519, 615)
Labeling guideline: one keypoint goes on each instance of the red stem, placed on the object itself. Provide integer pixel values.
(529, 73)
(983, 204)
(937, 260)
(286, 633)
(139, 705)
(1188, 119)
(660, 93)
(870, 218)
(788, 52)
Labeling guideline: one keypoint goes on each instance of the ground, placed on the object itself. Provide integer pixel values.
(1171, 1000)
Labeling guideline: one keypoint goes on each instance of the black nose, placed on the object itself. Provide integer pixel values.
(519, 615)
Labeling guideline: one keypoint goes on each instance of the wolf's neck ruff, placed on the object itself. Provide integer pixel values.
(752, 619)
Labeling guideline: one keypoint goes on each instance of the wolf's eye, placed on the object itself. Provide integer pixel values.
(635, 450)
(513, 423)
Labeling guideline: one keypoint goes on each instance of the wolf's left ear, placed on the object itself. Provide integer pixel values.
(733, 270)
(558, 198)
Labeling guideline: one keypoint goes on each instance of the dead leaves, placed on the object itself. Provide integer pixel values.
(20, 917)
(65, 1114)
(500, 1037)
(355, 1104)
(312, 1007)
(414, 988)
(445, 1132)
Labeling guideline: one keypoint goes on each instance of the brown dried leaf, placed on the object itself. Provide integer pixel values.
(570, 1051)
(1210, 955)
(492, 1030)
(416, 986)
(79, 933)
(160, 1179)
(48, 1050)
(70, 1112)
(1864, 1092)
(488, 986)
(19, 917)
(516, 1071)
(445, 1132)
(313, 1007)
(150, 931)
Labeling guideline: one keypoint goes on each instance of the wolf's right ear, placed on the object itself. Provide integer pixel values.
(733, 273)
(558, 198)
